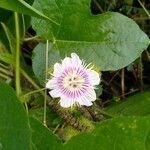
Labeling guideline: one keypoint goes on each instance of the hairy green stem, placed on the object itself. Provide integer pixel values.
(17, 65)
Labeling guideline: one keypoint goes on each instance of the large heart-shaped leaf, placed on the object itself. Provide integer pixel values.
(136, 105)
(14, 125)
(109, 40)
(125, 133)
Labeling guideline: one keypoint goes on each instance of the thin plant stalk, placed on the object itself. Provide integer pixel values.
(17, 66)
(46, 69)
(23, 22)
(148, 54)
(29, 79)
(35, 38)
(33, 92)
(148, 14)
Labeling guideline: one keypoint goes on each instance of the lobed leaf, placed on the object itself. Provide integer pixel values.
(123, 133)
(110, 40)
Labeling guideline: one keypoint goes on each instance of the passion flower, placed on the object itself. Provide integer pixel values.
(74, 82)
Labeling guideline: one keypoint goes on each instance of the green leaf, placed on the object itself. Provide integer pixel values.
(42, 137)
(109, 40)
(22, 7)
(125, 133)
(38, 60)
(136, 105)
(14, 126)
(5, 16)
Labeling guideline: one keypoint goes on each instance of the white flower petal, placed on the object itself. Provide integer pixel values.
(54, 93)
(75, 59)
(50, 84)
(66, 62)
(57, 69)
(84, 101)
(94, 77)
(91, 95)
(87, 99)
(66, 102)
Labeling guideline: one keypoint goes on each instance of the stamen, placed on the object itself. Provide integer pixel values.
(74, 85)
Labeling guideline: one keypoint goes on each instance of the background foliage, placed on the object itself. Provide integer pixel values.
(113, 35)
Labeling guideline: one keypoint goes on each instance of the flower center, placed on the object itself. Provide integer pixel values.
(73, 81)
